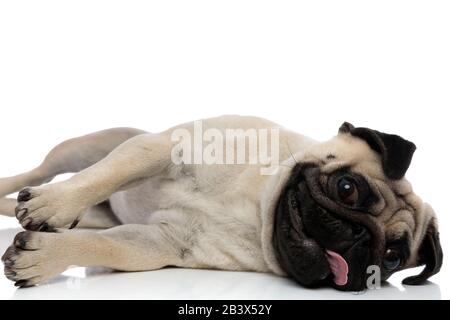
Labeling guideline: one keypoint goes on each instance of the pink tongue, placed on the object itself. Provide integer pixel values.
(338, 266)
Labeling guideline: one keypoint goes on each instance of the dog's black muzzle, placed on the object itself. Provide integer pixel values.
(308, 223)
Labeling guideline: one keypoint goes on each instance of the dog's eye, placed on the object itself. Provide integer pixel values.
(347, 191)
(392, 260)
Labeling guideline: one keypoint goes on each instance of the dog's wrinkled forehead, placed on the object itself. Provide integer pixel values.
(380, 155)
(395, 152)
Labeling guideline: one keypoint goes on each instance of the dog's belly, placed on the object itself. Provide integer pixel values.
(138, 204)
(135, 205)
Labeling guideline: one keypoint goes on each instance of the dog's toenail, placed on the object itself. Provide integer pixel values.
(20, 243)
(74, 224)
(21, 213)
(24, 195)
(47, 228)
(26, 222)
(10, 273)
(21, 283)
(8, 263)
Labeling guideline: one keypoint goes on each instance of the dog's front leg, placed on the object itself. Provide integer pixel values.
(35, 257)
(63, 204)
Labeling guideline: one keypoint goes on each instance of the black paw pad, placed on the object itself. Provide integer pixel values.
(24, 195)
(23, 284)
(20, 240)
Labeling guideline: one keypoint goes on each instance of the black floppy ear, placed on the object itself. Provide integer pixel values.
(396, 152)
(430, 254)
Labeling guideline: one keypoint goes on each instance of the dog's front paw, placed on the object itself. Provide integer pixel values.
(48, 207)
(30, 259)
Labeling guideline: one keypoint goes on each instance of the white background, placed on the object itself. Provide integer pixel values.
(72, 67)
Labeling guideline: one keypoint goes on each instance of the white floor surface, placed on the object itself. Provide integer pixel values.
(172, 283)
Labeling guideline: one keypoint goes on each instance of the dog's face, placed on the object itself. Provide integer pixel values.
(347, 206)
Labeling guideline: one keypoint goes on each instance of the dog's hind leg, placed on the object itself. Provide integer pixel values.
(64, 203)
(7, 206)
(70, 156)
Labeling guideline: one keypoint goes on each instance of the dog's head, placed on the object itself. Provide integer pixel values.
(347, 206)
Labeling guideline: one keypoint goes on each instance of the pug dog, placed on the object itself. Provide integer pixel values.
(328, 211)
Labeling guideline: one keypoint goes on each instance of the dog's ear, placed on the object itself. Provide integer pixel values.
(430, 254)
(396, 152)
